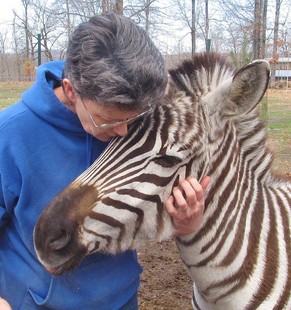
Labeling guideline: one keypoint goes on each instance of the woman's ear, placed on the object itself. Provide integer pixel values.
(70, 93)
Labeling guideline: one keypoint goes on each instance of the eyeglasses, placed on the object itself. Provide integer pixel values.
(114, 124)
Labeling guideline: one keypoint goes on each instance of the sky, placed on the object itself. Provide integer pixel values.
(6, 17)
(6, 7)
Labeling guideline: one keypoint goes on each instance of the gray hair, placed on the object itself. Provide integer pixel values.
(113, 61)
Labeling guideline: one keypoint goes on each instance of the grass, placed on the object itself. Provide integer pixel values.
(10, 92)
(279, 116)
(278, 119)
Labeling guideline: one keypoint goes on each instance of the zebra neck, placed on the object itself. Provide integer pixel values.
(199, 303)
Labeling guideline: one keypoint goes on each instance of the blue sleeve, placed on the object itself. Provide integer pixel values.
(4, 215)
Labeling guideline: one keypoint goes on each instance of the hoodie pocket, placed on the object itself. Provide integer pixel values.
(100, 282)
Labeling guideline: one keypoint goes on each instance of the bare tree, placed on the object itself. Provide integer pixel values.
(147, 15)
(242, 27)
(265, 11)
(68, 18)
(17, 47)
(193, 27)
(49, 26)
(275, 55)
(114, 6)
(251, 15)
(24, 20)
(206, 24)
(118, 7)
(186, 15)
(259, 28)
(4, 67)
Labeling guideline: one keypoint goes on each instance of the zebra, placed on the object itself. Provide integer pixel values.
(206, 124)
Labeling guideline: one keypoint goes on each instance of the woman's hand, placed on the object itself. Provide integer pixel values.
(4, 305)
(186, 205)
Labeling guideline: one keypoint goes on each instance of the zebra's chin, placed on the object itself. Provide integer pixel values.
(66, 265)
(63, 257)
(60, 269)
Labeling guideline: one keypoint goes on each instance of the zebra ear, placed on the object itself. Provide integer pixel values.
(247, 88)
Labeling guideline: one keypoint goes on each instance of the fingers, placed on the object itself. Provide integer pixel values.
(186, 204)
(189, 192)
(195, 191)
(4, 304)
(170, 205)
(184, 195)
(205, 182)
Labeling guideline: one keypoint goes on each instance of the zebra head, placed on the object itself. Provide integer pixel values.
(118, 202)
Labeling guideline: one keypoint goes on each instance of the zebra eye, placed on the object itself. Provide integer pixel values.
(167, 161)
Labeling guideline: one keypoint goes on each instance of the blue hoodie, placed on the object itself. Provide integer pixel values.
(43, 147)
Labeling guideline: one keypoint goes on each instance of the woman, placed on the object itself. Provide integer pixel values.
(112, 75)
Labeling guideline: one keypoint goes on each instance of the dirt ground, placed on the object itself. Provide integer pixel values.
(165, 283)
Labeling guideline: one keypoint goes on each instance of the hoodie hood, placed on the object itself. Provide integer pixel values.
(42, 101)
(43, 148)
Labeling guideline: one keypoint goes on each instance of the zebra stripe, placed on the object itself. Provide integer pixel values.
(240, 258)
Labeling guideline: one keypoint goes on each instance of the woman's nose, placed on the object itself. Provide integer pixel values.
(121, 130)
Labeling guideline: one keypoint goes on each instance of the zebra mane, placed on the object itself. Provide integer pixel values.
(202, 73)
(252, 136)
(205, 73)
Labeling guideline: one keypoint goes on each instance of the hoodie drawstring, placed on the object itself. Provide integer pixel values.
(89, 149)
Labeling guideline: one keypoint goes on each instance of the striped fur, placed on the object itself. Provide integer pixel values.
(206, 124)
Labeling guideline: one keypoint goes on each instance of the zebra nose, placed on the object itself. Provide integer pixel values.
(60, 241)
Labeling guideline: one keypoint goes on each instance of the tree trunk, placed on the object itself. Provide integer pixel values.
(104, 6)
(206, 24)
(69, 27)
(26, 29)
(147, 14)
(193, 28)
(257, 29)
(118, 8)
(275, 43)
(264, 24)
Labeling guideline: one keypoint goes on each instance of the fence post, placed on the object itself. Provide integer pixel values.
(38, 49)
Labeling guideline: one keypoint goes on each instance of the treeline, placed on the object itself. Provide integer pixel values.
(245, 29)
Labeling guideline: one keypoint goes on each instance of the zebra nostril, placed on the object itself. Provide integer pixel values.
(60, 242)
